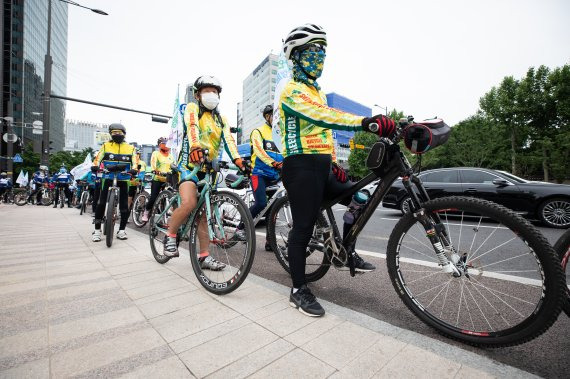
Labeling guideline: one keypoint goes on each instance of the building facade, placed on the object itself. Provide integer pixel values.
(345, 104)
(146, 152)
(81, 135)
(24, 43)
(258, 91)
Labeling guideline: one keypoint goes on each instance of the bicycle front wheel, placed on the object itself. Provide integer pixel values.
(110, 218)
(138, 209)
(83, 202)
(158, 224)
(221, 261)
(562, 248)
(278, 228)
(508, 284)
(21, 198)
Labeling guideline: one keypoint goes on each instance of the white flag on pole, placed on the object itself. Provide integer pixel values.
(176, 132)
(20, 178)
(82, 169)
(282, 78)
(26, 179)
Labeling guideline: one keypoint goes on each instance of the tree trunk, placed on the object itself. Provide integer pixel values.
(513, 151)
(545, 161)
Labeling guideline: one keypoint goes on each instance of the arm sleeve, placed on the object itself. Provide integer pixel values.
(99, 156)
(153, 161)
(258, 150)
(191, 125)
(302, 106)
(229, 142)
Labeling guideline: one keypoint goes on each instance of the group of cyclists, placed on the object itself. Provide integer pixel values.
(307, 165)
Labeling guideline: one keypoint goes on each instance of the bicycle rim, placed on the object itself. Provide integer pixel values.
(317, 263)
(110, 219)
(158, 223)
(138, 210)
(234, 253)
(510, 285)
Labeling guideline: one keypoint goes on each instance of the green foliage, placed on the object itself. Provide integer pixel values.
(31, 161)
(357, 157)
(67, 158)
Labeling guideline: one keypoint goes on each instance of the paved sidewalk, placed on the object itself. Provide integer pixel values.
(73, 308)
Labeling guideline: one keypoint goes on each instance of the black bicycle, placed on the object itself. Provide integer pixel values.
(562, 248)
(473, 270)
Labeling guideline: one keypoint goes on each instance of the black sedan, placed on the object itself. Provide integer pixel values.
(547, 202)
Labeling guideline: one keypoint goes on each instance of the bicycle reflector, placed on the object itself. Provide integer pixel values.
(430, 134)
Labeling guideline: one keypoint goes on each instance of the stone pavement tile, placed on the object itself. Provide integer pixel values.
(25, 286)
(23, 342)
(173, 303)
(425, 365)
(73, 261)
(213, 355)
(17, 299)
(286, 321)
(16, 268)
(24, 318)
(123, 259)
(146, 270)
(145, 289)
(251, 299)
(38, 369)
(25, 276)
(75, 290)
(470, 372)
(73, 308)
(92, 357)
(341, 344)
(371, 361)
(134, 267)
(70, 257)
(69, 280)
(169, 368)
(296, 364)
(135, 280)
(190, 320)
(255, 361)
(72, 268)
(208, 334)
(89, 325)
(313, 330)
(165, 295)
(267, 310)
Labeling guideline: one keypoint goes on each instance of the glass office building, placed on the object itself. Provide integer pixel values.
(24, 43)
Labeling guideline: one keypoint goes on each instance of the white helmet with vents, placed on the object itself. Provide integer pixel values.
(303, 35)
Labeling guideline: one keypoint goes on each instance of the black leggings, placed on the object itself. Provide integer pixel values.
(155, 187)
(123, 203)
(308, 180)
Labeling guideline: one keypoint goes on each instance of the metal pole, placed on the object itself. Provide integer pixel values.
(10, 145)
(107, 105)
(47, 91)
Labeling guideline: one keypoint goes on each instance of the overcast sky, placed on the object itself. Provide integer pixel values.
(426, 58)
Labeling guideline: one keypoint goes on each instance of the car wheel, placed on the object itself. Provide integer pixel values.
(555, 212)
(405, 205)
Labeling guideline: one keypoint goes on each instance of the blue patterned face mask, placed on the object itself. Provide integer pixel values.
(309, 65)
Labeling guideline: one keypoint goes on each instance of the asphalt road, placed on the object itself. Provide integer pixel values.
(374, 295)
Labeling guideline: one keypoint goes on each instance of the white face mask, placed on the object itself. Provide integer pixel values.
(210, 100)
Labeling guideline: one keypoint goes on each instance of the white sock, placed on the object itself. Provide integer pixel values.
(295, 290)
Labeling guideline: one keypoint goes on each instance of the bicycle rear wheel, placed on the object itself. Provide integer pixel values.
(278, 228)
(138, 209)
(110, 218)
(83, 202)
(234, 260)
(511, 283)
(47, 197)
(21, 198)
(158, 220)
(562, 248)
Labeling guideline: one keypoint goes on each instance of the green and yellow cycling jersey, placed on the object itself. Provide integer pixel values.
(206, 131)
(306, 120)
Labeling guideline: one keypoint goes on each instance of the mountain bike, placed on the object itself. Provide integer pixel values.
(469, 268)
(139, 203)
(223, 212)
(562, 248)
(111, 214)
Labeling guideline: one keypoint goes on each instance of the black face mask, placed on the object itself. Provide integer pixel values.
(118, 138)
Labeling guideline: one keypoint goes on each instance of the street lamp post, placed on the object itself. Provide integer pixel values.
(47, 79)
(384, 108)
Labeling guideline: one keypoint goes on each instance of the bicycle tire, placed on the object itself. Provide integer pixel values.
(562, 248)
(550, 289)
(161, 199)
(21, 198)
(138, 209)
(280, 251)
(232, 282)
(47, 197)
(84, 197)
(110, 218)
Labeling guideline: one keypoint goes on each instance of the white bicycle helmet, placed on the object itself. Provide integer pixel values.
(207, 81)
(303, 35)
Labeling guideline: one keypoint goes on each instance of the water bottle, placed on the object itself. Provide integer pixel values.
(359, 200)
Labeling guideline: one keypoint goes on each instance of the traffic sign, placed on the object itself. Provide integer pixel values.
(17, 159)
